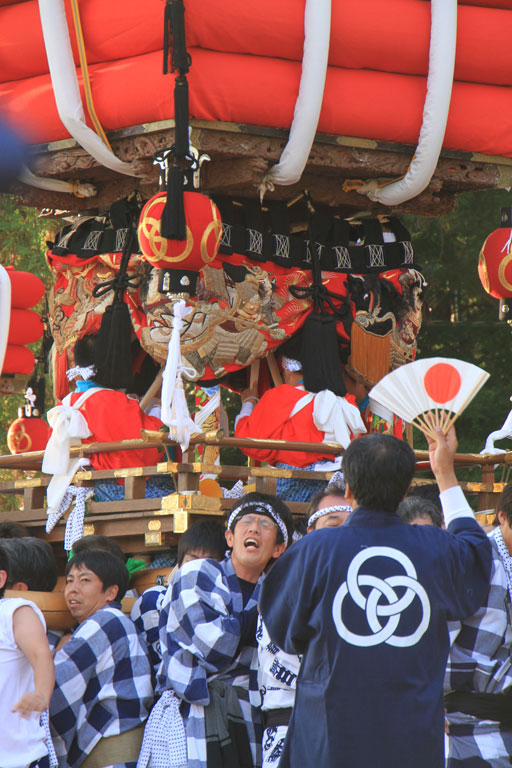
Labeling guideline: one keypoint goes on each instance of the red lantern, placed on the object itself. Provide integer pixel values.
(204, 230)
(495, 263)
(27, 434)
(27, 289)
(25, 326)
(18, 360)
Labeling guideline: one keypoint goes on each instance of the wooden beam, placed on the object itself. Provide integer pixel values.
(240, 155)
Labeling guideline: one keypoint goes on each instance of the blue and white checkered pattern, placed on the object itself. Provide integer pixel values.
(102, 685)
(480, 660)
(156, 486)
(294, 489)
(145, 614)
(200, 632)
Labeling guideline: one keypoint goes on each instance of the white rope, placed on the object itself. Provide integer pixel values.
(175, 413)
(443, 39)
(66, 89)
(317, 33)
(80, 189)
(499, 434)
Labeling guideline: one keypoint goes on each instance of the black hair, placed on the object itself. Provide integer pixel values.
(320, 355)
(205, 536)
(10, 530)
(379, 469)
(429, 492)
(300, 525)
(32, 562)
(109, 570)
(96, 541)
(277, 505)
(85, 353)
(4, 566)
(505, 504)
(413, 507)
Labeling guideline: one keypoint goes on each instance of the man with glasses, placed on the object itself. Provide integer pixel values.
(207, 635)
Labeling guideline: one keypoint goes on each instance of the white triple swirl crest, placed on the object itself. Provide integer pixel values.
(381, 588)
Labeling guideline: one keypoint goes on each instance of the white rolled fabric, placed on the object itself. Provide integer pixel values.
(5, 312)
(443, 40)
(66, 89)
(317, 34)
(499, 434)
(333, 415)
(175, 413)
(83, 189)
(339, 419)
(69, 427)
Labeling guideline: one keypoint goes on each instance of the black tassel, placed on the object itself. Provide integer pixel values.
(114, 356)
(173, 224)
(180, 57)
(320, 356)
(181, 142)
(167, 38)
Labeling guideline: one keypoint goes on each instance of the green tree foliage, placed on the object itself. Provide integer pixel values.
(461, 319)
(22, 244)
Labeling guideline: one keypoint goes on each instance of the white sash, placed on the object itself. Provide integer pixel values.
(333, 415)
(69, 427)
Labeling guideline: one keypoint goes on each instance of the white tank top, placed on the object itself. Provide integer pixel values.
(21, 741)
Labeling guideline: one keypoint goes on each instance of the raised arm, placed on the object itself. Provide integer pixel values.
(470, 561)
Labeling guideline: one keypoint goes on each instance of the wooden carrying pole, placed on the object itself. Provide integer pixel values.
(152, 391)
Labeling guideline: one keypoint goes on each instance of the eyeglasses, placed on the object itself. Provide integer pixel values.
(262, 522)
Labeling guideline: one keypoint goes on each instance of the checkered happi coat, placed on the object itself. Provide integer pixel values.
(480, 660)
(199, 637)
(102, 685)
(145, 614)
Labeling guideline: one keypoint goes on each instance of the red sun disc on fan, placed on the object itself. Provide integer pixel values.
(442, 382)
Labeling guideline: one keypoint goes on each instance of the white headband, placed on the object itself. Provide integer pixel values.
(336, 482)
(259, 505)
(290, 364)
(84, 373)
(328, 511)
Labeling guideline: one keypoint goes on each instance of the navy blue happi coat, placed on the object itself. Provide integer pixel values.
(367, 606)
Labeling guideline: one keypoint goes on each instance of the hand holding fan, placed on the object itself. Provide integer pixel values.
(430, 393)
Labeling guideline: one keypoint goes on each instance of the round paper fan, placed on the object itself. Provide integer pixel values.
(438, 386)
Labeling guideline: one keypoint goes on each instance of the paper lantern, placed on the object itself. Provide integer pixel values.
(495, 264)
(27, 434)
(27, 289)
(25, 327)
(204, 230)
(18, 359)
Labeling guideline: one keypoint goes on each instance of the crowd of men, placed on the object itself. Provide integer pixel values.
(331, 648)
